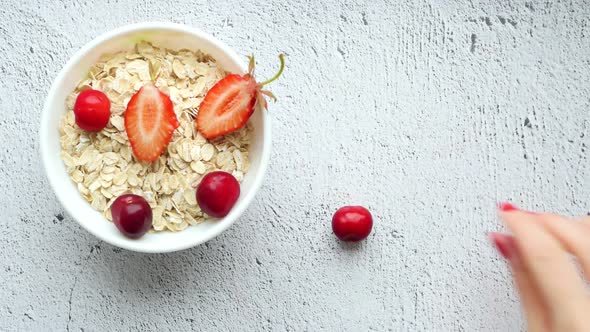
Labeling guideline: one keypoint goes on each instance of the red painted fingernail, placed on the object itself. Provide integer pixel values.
(503, 244)
(507, 207)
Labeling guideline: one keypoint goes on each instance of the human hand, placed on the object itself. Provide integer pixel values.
(553, 294)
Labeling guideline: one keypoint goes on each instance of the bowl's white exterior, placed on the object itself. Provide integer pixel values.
(168, 35)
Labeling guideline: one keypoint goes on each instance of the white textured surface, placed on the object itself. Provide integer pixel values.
(426, 113)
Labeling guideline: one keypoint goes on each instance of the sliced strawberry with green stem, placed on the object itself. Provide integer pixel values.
(229, 104)
(150, 122)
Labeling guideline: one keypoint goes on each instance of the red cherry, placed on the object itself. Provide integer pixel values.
(132, 215)
(217, 193)
(352, 223)
(92, 110)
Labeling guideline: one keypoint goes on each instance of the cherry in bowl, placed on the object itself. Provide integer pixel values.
(92, 110)
(217, 193)
(132, 215)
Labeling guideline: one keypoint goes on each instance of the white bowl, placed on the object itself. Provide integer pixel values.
(167, 35)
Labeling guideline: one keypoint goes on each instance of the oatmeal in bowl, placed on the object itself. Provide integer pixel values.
(160, 140)
(102, 164)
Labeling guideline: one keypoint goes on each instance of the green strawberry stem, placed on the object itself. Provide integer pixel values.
(282, 58)
(251, 65)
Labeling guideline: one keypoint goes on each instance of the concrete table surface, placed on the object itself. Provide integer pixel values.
(426, 113)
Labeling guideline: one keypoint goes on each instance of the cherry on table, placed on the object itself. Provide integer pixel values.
(352, 223)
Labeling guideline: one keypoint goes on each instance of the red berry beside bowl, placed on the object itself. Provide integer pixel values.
(217, 193)
(92, 110)
(352, 223)
(132, 215)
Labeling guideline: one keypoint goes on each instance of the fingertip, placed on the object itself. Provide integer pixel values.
(507, 216)
(517, 221)
(503, 243)
(509, 207)
(506, 207)
(505, 211)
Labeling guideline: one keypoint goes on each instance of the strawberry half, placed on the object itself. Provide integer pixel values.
(229, 104)
(149, 122)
